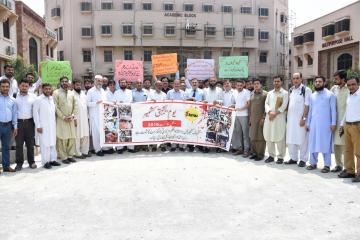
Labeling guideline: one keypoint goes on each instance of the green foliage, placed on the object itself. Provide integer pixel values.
(21, 69)
(351, 73)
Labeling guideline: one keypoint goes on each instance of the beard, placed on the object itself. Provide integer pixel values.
(87, 88)
(319, 88)
(78, 90)
(212, 86)
(123, 87)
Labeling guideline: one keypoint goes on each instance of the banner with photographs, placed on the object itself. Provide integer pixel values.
(166, 122)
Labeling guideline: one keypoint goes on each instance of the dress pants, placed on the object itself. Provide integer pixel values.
(352, 147)
(240, 138)
(258, 148)
(327, 159)
(26, 134)
(339, 154)
(5, 137)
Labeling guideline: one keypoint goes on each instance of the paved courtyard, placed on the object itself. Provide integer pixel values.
(177, 196)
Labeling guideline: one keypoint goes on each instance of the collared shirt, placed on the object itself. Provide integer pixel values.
(161, 96)
(123, 96)
(176, 95)
(199, 94)
(8, 110)
(139, 96)
(211, 95)
(110, 96)
(352, 113)
(35, 85)
(25, 105)
(229, 98)
(13, 85)
(241, 100)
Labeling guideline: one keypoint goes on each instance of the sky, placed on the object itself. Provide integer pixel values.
(305, 10)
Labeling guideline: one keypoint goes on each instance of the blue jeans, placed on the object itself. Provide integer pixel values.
(5, 137)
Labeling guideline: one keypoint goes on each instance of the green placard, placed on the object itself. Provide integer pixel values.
(234, 67)
(52, 71)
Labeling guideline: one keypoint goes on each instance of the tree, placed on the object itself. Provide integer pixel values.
(21, 69)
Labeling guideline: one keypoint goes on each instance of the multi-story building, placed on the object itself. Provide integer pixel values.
(92, 34)
(8, 19)
(35, 42)
(328, 44)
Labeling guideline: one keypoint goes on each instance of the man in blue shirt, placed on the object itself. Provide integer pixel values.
(139, 95)
(8, 123)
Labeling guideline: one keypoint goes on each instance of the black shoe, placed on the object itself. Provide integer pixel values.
(131, 151)
(110, 151)
(154, 149)
(337, 169)
(290, 162)
(280, 161)
(172, 149)
(80, 157)
(326, 169)
(206, 150)
(100, 154)
(92, 152)
(120, 151)
(191, 149)
(55, 163)
(32, 166)
(311, 167)
(182, 149)
(71, 160)
(302, 164)
(47, 165)
(87, 155)
(345, 174)
(253, 157)
(356, 179)
(66, 161)
(163, 149)
(18, 167)
(259, 159)
(269, 160)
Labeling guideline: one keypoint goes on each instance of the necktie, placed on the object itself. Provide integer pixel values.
(194, 94)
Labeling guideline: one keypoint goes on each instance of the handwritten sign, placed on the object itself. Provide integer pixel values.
(164, 63)
(234, 67)
(200, 69)
(52, 71)
(129, 70)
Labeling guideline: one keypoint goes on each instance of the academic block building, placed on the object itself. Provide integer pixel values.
(328, 44)
(92, 34)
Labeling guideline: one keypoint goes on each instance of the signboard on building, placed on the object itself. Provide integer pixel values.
(234, 67)
(337, 42)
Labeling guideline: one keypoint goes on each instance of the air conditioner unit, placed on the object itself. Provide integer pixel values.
(89, 70)
(10, 50)
(111, 70)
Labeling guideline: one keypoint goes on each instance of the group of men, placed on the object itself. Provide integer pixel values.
(65, 121)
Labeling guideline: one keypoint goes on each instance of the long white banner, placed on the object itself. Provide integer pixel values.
(166, 122)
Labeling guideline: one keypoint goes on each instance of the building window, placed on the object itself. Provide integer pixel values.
(245, 10)
(52, 52)
(263, 12)
(282, 39)
(229, 32)
(328, 30)
(108, 56)
(227, 9)
(208, 8)
(147, 55)
(107, 5)
(263, 35)
(299, 40)
(168, 6)
(283, 18)
(61, 34)
(344, 62)
(147, 6)
(190, 33)
(188, 7)
(47, 50)
(6, 29)
(299, 62)
(249, 32)
(282, 59)
(128, 55)
(85, 6)
(226, 52)
(169, 30)
(33, 52)
(309, 60)
(86, 32)
(127, 29)
(210, 31)
(127, 6)
(61, 56)
(263, 57)
(148, 30)
(308, 37)
(106, 29)
(55, 12)
(86, 56)
(244, 54)
(207, 54)
(342, 26)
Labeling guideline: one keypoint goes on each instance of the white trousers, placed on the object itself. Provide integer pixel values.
(281, 147)
(96, 138)
(82, 146)
(299, 152)
(48, 154)
(128, 147)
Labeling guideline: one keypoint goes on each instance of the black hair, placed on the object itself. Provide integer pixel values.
(24, 81)
(354, 77)
(257, 80)
(275, 77)
(64, 77)
(321, 77)
(29, 73)
(46, 85)
(76, 81)
(4, 81)
(111, 82)
(8, 66)
(341, 73)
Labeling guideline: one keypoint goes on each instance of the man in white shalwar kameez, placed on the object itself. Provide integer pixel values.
(275, 122)
(95, 97)
(296, 133)
(82, 122)
(45, 123)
